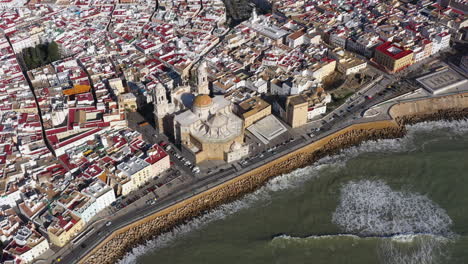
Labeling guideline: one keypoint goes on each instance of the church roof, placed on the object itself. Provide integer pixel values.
(202, 100)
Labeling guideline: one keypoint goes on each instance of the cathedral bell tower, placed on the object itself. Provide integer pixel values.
(161, 106)
(203, 85)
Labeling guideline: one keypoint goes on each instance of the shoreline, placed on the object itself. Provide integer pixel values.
(116, 245)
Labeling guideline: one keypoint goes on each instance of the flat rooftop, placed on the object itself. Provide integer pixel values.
(252, 106)
(443, 81)
(267, 129)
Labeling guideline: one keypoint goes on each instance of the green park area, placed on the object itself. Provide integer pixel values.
(41, 55)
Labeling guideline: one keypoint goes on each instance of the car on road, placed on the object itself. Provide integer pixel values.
(108, 223)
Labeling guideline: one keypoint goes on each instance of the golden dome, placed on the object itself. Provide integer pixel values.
(202, 100)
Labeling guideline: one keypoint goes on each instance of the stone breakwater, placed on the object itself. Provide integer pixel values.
(123, 240)
(448, 114)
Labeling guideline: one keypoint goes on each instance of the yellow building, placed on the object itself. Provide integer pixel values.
(117, 86)
(296, 111)
(393, 57)
(64, 227)
(322, 68)
(252, 110)
(128, 101)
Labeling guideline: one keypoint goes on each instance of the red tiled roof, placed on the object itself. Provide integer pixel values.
(384, 48)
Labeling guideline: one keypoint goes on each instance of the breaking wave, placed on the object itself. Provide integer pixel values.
(455, 127)
(394, 238)
(397, 249)
(426, 250)
(293, 180)
(373, 209)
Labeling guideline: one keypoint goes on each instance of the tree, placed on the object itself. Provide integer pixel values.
(41, 55)
(41, 51)
(53, 52)
(36, 57)
(27, 58)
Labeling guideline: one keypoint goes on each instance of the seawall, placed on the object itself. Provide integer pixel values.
(449, 107)
(121, 241)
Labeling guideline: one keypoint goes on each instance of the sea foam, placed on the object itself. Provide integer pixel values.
(372, 208)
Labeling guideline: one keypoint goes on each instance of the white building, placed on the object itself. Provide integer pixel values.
(27, 245)
(12, 3)
(26, 39)
(338, 38)
(315, 111)
(101, 196)
(135, 172)
(363, 44)
(297, 38)
(237, 152)
(440, 42)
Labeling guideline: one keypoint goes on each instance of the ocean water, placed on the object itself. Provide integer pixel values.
(395, 201)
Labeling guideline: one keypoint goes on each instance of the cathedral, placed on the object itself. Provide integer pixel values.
(204, 127)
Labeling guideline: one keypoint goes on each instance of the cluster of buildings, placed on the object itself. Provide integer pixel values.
(393, 34)
(66, 152)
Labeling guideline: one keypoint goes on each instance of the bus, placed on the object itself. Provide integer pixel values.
(441, 68)
(77, 239)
